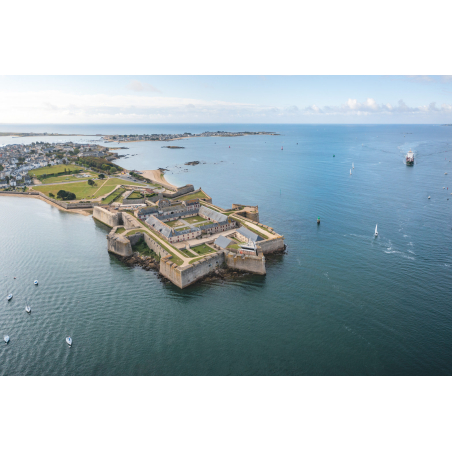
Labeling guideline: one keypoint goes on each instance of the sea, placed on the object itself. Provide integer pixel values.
(340, 301)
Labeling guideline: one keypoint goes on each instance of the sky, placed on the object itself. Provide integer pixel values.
(401, 99)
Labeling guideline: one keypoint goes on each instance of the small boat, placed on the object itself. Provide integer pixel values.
(429, 197)
(28, 309)
(281, 148)
(69, 341)
(353, 166)
(376, 232)
(6, 338)
(445, 174)
(36, 283)
(9, 296)
(350, 172)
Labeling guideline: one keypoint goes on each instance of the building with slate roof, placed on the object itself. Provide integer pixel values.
(245, 235)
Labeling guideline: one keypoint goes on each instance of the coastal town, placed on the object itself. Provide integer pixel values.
(180, 136)
(178, 231)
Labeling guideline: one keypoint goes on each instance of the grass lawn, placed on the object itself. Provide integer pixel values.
(68, 178)
(82, 190)
(120, 230)
(110, 198)
(199, 194)
(136, 195)
(187, 253)
(183, 228)
(172, 223)
(194, 219)
(203, 224)
(234, 246)
(202, 249)
(54, 169)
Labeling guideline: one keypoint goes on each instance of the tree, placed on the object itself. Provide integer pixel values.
(90, 182)
(51, 195)
(70, 196)
(61, 194)
(64, 162)
(101, 176)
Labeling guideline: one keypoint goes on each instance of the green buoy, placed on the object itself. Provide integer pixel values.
(318, 220)
(334, 155)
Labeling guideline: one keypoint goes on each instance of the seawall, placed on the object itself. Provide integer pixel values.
(111, 219)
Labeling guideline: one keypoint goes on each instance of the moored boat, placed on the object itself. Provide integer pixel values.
(6, 339)
(69, 341)
(9, 296)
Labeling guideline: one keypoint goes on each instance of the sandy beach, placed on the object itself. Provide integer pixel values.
(156, 176)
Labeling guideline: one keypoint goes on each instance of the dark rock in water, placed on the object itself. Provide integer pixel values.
(196, 162)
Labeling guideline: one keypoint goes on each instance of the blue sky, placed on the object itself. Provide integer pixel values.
(223, 99)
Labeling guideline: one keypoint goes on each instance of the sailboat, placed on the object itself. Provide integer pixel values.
(353, 166)
(28, 309)
(376, 232)
(350, 172)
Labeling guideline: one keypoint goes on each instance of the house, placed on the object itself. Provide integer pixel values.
(245, 235)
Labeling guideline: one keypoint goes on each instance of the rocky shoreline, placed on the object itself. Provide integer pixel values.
(149, 263)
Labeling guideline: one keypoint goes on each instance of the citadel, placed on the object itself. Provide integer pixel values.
(190, 236)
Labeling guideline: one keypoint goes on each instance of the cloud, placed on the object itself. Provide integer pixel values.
(370, 106)
(136, 85)
(420, 78)
(62, 107)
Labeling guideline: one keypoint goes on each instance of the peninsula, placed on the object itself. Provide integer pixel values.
(179, 136)
(176, 229)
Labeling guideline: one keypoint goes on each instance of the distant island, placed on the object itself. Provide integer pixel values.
(180, 136)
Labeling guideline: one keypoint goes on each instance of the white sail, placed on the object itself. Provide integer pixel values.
(350, 172)
(376, 232)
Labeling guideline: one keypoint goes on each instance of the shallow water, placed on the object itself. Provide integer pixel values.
(340, 302)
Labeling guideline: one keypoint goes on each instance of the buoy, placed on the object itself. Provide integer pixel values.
(334, 155)
(318, 220)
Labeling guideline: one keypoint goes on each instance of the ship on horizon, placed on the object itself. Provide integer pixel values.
(409, 158)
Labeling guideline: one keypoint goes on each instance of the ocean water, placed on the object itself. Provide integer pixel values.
(340, 302)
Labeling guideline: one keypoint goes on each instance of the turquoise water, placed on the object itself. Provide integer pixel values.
(340, 302)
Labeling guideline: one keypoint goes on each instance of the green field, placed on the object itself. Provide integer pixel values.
(82, 190)
(202, 249)
(54, 169)
(114, 196)
(136, 195)
(187, 253)
(199, 194)
(120, 230)
(68, 178)
(182, 228)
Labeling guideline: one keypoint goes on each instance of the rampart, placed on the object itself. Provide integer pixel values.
(118, 244)
(188, 275)
(111, 219)
(246, 262)
(179, 191)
